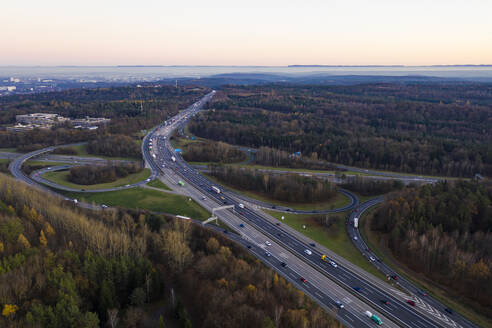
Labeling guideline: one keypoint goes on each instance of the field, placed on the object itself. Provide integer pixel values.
(376, 242)
(147, 199)
(334, 238)
(61, 178)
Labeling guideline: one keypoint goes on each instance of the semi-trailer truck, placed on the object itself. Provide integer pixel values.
(217, 190)
(374, 317)
(356, 223)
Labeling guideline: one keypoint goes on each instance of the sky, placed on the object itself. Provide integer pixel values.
(253, 32)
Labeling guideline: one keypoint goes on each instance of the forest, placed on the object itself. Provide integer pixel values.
(63, 266)
(443, 230)
(114, 146)
(428, 128)
(370, 187)
(131, 109)
(89, 174)
(285, 187)
(209, 151)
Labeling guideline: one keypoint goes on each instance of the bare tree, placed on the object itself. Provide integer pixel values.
(113, 318)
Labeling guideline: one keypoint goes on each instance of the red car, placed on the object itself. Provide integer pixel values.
(395, 277)
(303, 279)
(412, 303)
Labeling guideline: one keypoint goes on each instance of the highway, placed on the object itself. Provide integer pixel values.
(369, 290)
(420, 297)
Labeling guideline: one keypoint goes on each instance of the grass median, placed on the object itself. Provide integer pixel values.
(156, 183)
(61, 178)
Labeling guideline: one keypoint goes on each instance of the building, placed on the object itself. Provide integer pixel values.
(41, 119)
(20, 128)
(87, 122)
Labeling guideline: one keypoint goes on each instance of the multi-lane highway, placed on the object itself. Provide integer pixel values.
(420, 297)
(366, 289)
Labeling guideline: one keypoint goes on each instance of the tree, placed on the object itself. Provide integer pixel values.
(161, 322)
(113, 318)
(23, 241)
(137, 297)
(42, 239)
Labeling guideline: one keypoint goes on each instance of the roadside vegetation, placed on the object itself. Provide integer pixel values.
(62, 266)
(114, 146)
(443, 231)
(290, 188)
(63, 178)
(92, 174)
(210, 151)
(370, 187)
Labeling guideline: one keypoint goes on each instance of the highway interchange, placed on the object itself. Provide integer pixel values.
(286, 253)
(252, 225)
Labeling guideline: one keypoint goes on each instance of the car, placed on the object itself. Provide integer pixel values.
(357, 288)
(274, 206)
(104, 206)
(339, 304)
(204, 198)
(241, 205)
(249, 246)
(411, 302)
(268, 254)
(222, 197)
(308, 252)
(449, 310)
(385, 302)
(241, 225)
(277, 224)
(147, 180)
(127, 185)
(312, 244)
(333, 264)
(355, 238)
(372, 258)
(283, 264)
(225, 231)
(394, 277)
(268, 243)
(422, 292)
(303, 280)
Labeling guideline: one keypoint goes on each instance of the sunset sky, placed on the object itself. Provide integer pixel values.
(219, 32)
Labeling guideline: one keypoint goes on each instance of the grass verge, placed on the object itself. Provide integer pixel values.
(148, 199)
(376, 242)
(61, 178)
(334, 238)
(158, 184)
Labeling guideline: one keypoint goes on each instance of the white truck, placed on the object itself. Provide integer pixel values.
(173, 158)
(356, 223)
(217, 190)
(374, 318)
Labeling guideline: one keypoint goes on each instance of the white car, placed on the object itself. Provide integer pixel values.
(372, 258)
(241, 205)
(268, 243)
(355, 238)
(333, 264)
(308, 252)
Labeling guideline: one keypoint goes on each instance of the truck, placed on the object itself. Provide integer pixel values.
(217, 190)
(356, 223)
(173, 158)
(181, 183)
(374, 317)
